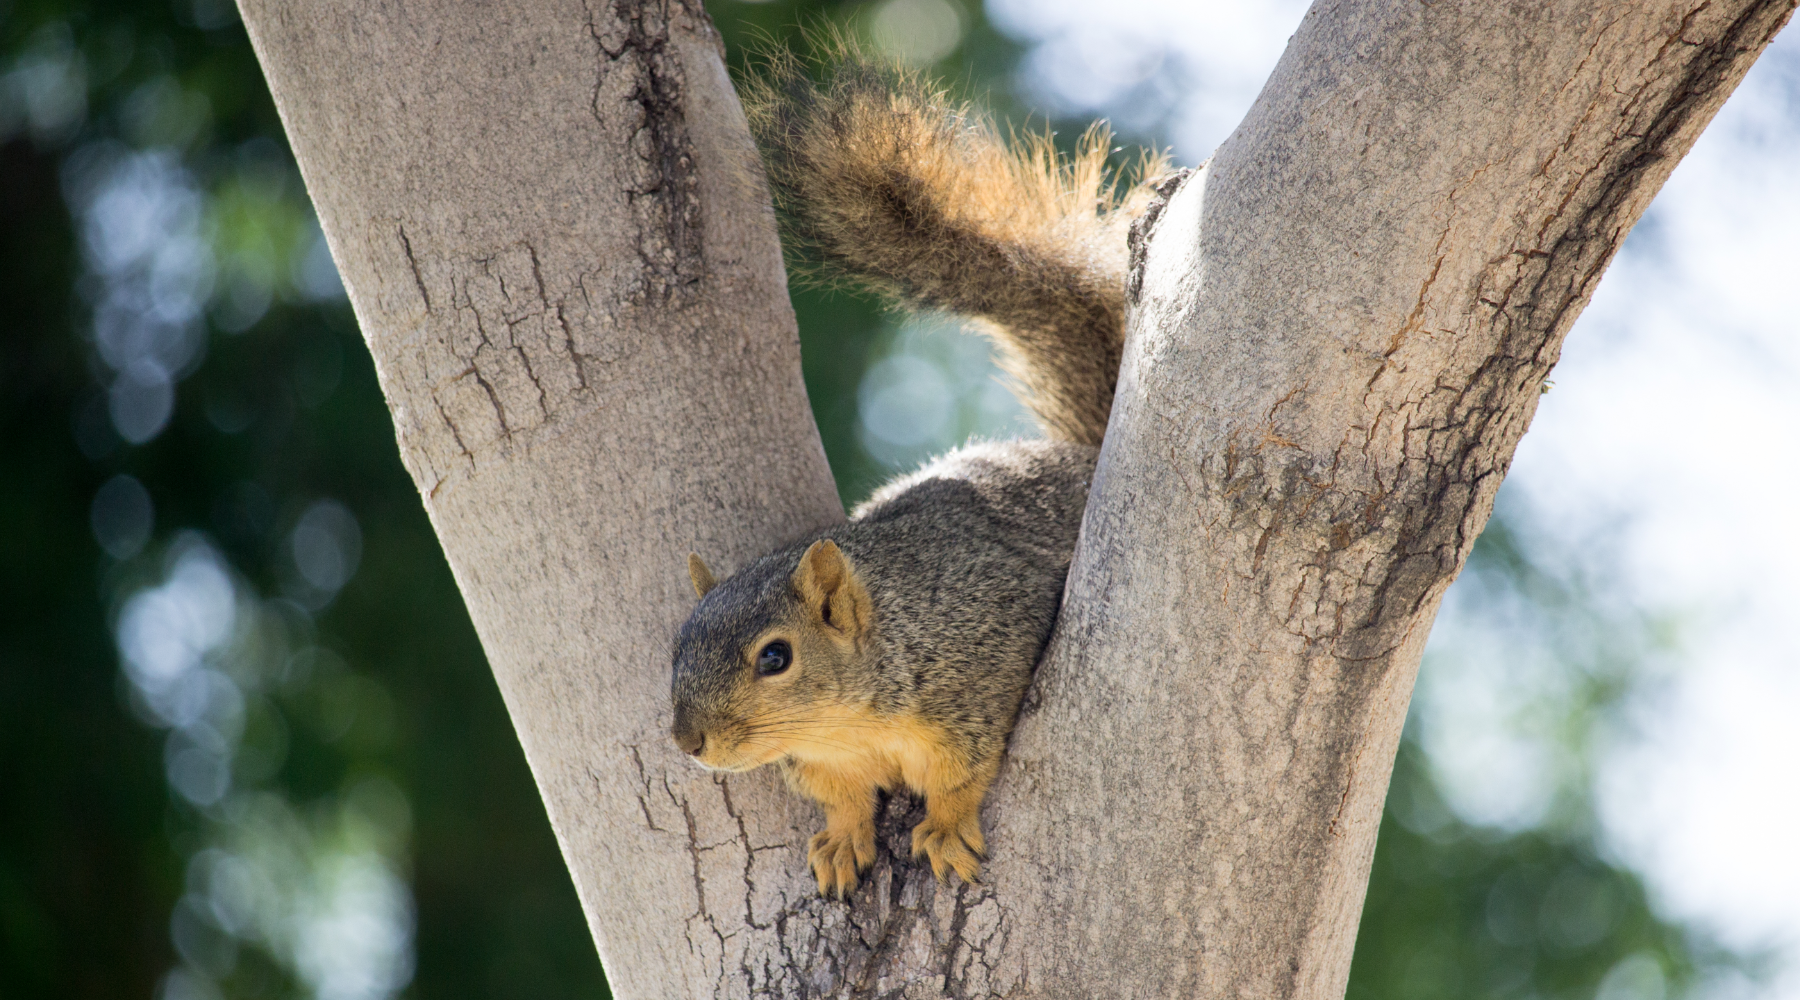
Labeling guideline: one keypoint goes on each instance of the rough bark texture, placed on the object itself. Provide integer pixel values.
(564, 265)
(549, 220)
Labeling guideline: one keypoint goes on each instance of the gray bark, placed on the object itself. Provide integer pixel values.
(549, 219)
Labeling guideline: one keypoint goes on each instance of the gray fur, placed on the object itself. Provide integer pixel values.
(964, 562)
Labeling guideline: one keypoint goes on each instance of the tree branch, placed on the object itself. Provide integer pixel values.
(1340, 335)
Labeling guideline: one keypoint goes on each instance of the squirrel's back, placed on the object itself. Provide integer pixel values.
(965, 560)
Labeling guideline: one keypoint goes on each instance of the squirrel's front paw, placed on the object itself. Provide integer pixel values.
(836, 857)
(951, 845)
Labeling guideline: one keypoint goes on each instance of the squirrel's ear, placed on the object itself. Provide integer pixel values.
(827, 583)
(702, 577)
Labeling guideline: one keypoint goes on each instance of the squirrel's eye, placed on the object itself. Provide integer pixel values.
(774, 658)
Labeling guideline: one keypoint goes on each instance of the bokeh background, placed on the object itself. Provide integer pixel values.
(249, 746)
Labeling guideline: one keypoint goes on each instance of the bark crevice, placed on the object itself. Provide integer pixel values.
(639, 68)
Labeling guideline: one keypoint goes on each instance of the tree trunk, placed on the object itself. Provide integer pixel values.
(552, 228)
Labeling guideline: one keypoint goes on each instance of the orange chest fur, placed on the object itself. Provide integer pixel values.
(857, 750)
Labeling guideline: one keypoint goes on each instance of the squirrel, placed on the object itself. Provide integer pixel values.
(892, 652)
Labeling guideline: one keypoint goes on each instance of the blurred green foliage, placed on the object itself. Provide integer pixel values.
(1456, 911)
(363, 742)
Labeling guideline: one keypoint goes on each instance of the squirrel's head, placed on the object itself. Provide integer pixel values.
(768, 655)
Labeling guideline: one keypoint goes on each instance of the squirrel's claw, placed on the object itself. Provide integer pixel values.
(836, 858)
(949, 848)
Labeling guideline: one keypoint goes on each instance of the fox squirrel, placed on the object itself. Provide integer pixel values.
(893, 651)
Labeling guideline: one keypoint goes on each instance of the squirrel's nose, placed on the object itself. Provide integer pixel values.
(691, 742)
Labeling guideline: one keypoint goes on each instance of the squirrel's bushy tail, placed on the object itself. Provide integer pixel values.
(882, 182)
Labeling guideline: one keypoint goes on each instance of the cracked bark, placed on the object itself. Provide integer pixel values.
(548, 218)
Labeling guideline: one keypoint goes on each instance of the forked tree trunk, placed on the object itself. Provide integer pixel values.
(551, 225)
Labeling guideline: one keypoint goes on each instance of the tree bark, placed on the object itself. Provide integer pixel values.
(555, 237)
